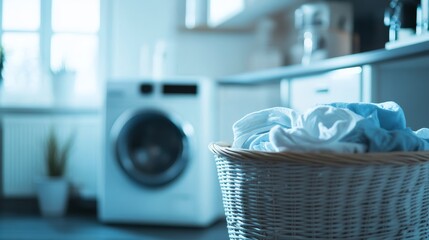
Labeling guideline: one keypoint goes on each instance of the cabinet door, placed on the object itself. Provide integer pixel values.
(344, 85)
(235, 101)
(405, 81)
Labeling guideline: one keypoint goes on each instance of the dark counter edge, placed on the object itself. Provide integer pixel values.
(353, 60)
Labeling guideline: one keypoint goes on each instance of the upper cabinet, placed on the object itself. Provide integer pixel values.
(243, 13)
(231, 14)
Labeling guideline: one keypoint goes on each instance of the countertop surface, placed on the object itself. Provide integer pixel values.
(23, 221)
(359, 59)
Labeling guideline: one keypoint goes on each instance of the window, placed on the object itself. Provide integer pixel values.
(40, 36)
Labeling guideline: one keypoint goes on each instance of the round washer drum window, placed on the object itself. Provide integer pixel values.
(151, 147)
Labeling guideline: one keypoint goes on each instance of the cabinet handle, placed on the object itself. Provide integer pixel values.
(322, 90)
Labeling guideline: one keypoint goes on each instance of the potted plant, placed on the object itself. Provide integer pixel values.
(63, 81)
(53, 189)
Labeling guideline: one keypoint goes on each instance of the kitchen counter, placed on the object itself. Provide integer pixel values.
(359, 59)
(21, 220)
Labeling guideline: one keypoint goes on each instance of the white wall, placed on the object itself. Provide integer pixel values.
(133, 24)
(213, 54)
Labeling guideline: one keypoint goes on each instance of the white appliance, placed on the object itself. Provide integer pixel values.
(157, 168)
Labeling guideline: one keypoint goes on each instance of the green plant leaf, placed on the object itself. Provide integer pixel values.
(56, 157)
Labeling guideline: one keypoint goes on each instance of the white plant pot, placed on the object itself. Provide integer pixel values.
(53, 195)
(63, 88)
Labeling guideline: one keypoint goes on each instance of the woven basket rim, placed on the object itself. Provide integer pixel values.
(322, 158)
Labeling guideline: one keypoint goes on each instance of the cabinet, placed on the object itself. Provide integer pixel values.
(246, 12)
(405, 81)
(344, 85)
(232, 14)
(235, 101)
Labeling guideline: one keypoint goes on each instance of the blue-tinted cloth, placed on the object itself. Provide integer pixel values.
(383, 128)
(381, 140)
(387, 115)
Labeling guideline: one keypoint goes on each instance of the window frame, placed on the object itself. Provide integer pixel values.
(45, 33)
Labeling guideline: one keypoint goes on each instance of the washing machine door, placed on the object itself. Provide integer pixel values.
(151, 146)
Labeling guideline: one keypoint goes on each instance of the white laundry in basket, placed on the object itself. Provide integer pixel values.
(337, 127)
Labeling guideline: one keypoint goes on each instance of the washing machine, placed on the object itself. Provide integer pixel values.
(157, 168)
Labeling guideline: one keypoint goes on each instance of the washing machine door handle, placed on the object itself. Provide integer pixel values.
(150, 146)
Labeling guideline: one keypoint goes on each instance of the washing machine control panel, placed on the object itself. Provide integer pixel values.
(170, 88)
(179, 89)
(146, 88)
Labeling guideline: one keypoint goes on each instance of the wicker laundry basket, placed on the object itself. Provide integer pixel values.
(324, 195)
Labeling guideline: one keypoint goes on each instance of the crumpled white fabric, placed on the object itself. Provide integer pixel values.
(318, 129)
(250, 129)
(335, 127)
(422, 133)
(282, 129)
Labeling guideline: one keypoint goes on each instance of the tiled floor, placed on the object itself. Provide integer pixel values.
(30, 225)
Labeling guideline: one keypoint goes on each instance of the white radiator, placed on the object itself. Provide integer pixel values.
(23, 146)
